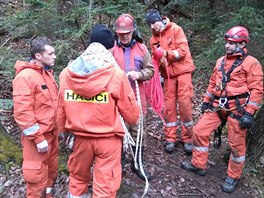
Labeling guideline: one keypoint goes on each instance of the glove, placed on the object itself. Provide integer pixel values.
(43, 146)
(159, 54)
(205, 106)
(246, 121)
(134, 75)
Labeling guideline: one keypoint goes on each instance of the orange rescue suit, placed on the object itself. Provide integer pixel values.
(245, 78)
(35, 95)
(178, 88)
(94, 93)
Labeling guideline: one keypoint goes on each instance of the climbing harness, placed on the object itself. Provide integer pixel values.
(226, 78)
(223, 100)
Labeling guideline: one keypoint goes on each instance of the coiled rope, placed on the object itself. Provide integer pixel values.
(129, 142)
(154, 91)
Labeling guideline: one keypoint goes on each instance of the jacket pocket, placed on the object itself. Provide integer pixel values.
(33, 171)
(138, 63)
(237, 77)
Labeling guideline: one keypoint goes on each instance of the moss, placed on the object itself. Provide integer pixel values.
(9, 151)
(63, 158)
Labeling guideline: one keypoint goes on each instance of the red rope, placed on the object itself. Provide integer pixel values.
(154, 91)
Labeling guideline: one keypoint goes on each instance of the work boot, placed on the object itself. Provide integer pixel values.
(229, 185)
(137, 170)
(189, 167)
(188, 147)
(170, 147)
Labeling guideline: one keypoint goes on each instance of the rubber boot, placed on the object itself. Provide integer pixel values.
(229, 185)
(170, 146)
(137, 170)
(188, 147)
(189, 167)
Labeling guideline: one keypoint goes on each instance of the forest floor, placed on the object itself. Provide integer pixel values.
(168, 179)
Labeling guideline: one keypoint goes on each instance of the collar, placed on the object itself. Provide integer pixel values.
(239, 54)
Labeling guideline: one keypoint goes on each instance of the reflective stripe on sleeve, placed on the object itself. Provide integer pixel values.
(208, 94)
(254, 104)
(200, 149)
(31, 130)
(238, 159)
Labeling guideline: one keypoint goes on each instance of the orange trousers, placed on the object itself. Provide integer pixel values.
(178, 93)
(236, 137)
(105, 154)
(40, 170)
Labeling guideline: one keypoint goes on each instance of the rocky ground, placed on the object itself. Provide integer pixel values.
(168, 179)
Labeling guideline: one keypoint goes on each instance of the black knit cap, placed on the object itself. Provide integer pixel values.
(102, 34)
(153, 16)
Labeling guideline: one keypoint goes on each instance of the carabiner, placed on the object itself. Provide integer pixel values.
(222, 102)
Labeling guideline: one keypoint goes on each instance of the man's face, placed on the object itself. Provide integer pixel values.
(125, 38)
(48, 57)
(156, 27)
(231, 47)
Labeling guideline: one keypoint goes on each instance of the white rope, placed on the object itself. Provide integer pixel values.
(139, 142)
(128, 141)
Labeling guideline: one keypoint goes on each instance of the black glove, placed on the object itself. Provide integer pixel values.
(246, 121)
(205, 106)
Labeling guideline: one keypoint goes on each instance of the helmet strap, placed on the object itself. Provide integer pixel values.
(238, 50)
(239, 47)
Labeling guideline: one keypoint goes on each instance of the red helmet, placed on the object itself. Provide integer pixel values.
(124, 24)
(237, 34)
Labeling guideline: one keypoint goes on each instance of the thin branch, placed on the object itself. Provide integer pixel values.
(190, 195)
(5, 42)
(200, 189)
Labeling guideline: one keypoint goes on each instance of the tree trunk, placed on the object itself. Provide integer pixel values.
(255, 141)
(59, 6)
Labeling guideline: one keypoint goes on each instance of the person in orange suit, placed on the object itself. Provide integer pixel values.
(234, 94)
(176, 67)
(94, 94)
(35, 95)
(133, 57)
